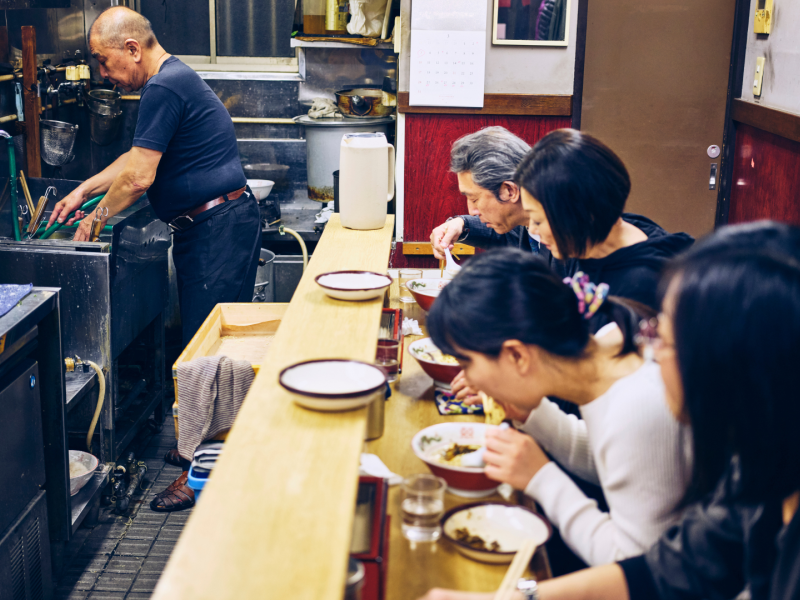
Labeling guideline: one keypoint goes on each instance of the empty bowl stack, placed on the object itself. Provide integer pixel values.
(105, 110)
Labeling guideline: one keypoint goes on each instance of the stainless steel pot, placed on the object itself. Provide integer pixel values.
(366, 102)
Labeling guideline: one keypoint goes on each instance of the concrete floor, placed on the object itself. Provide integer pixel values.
(123, 556)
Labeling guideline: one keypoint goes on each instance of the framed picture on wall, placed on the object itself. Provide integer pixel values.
(531, 22)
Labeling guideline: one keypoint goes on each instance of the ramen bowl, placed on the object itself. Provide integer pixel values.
(427, 355)
(333, 385)
(468, 482)
(425, 291)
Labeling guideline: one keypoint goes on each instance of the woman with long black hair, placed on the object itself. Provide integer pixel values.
(521, 335)
(728, 348)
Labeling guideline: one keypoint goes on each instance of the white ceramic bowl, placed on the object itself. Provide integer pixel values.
(333, 385)
(261, 187)
(505, 524)
(353, 285)
(468, 482)
(83, 465)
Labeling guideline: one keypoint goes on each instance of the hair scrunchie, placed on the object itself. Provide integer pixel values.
(590, 296)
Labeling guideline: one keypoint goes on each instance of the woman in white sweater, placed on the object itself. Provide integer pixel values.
(522, 335)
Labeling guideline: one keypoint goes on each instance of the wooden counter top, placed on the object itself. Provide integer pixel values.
(415, 568)
(276, 517)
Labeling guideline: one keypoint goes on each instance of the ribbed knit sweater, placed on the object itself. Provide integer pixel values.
(631, 445)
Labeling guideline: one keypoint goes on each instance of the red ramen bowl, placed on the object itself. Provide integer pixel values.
(425, 351)
(425, 291)
(469, 482)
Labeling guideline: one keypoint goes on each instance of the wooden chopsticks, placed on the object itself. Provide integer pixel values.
(521, 561)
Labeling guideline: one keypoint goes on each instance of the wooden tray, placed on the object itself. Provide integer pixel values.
(242, 331)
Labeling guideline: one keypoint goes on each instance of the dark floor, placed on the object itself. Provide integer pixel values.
(124, 555)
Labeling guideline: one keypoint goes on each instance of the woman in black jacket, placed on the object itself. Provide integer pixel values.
(727, 342)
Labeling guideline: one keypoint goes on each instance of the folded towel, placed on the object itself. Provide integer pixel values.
(211, 390)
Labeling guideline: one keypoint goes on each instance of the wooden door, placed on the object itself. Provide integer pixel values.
(655, 89)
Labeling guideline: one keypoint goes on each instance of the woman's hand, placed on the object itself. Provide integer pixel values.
(512, 457)
(460, 387)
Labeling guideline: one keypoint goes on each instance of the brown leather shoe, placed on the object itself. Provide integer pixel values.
(177, 496)
(173, 458)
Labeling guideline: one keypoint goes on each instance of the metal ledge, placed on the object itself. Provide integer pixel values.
(84, 500)
(78, 385)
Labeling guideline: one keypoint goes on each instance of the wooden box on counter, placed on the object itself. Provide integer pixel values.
(370, 543)
(239, 330)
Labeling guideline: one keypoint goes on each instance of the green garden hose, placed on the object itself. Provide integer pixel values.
(56, 226)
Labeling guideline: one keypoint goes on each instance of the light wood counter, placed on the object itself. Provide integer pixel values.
(275, 518)
(415, 568)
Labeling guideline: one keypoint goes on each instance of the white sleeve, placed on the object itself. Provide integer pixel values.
(588, 531)
(565, 437)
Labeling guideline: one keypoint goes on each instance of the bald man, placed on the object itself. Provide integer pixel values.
(185, 157)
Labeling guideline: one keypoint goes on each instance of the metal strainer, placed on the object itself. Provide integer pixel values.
(58, 139)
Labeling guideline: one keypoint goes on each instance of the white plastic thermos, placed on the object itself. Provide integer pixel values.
(366, 180)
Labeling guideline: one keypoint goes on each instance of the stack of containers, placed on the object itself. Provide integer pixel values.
(205, 457)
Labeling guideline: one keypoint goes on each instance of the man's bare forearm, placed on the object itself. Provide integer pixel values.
(102, 182)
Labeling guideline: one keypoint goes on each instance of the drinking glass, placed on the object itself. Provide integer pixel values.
(407, 275)
(423, 507)
(388, 358)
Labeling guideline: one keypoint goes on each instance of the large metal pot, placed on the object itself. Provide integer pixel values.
(323, 143)
(366, 102)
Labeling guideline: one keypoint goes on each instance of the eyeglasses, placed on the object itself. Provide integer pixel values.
(649, 340)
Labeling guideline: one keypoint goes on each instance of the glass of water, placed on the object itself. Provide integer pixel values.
(388, 358)
(423, 507)
(406, 275)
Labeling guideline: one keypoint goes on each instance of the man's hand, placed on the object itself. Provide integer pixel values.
(73, 201)
(84, 231)
(445, 236)
(512, 457)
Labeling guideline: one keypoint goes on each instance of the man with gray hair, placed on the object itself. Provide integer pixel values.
(485, 163)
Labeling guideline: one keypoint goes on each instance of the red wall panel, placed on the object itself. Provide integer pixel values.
(431, 191)
(766, 177)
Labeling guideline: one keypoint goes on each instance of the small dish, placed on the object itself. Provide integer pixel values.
(260, 187)
(426, 290)
(333, 384)
(505, 524)
(353, 285)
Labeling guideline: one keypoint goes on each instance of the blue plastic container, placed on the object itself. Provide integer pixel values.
(197, 483)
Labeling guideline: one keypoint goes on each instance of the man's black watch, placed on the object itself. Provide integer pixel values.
(464, 231)
(528, 588)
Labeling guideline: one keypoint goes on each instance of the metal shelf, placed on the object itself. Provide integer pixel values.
(84, 500)
(304, 44)
(78, 385)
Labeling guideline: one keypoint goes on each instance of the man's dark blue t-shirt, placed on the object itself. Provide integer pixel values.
(180, 116)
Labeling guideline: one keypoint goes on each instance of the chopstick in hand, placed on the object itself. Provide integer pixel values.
(521, 561)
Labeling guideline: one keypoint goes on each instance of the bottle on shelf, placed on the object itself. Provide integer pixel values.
(314, 17)
(336, 17)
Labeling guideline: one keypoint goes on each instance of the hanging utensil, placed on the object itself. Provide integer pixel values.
(26, 192)
(38, 215)
(97, 223)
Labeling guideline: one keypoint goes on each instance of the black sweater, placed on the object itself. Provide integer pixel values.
(719, 548)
